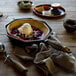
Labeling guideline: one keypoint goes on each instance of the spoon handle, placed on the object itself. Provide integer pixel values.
(64, 47)
(50, 65)
(18, 65)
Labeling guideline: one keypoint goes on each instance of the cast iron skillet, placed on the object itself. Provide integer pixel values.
(17, 41)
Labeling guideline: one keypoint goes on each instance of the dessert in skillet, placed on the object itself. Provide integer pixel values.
(27, 32)
(26, 29)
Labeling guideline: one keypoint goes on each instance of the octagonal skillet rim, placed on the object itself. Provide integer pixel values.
(32, 41)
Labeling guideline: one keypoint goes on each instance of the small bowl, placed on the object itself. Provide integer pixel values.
(25, 4)
(43, 26)
(70, 25)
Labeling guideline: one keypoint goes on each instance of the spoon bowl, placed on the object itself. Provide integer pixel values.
(2, 47)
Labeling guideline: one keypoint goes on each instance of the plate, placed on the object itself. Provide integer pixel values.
(47, 11)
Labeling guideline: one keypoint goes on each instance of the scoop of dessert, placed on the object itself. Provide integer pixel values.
(56, 5)
(26, 29)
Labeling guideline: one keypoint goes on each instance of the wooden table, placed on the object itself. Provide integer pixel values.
(11, 11)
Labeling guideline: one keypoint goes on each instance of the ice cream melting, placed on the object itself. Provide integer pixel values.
(26, 29)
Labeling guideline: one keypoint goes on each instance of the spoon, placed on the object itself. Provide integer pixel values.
(2, 47)
(56, 43)
(44, 57)
(14, 62)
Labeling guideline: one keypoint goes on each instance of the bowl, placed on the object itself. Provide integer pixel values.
(41, 25)
(70, 25)
(25, 4)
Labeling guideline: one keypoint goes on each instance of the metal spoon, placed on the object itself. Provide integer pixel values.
(44, 57)
(14, 62)
(56, 43)
(2, 47)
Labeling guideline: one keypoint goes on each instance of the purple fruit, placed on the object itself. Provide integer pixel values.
(37, 34)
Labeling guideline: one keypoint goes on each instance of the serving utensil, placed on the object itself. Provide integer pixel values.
(14, 62)
(44, 57)
(42, 47)
(43, 69)
(64, 59)
(2, 47)
(24, 58)
(33, 48)
(56, 43)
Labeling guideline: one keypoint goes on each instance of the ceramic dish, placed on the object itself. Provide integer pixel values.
(45, 11)
(41, 25)
(70, 25)
(25, 4)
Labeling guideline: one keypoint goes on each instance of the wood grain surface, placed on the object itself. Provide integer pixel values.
(11, 11)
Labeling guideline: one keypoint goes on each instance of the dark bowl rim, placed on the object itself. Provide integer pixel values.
(66, 23)
(50, 30)
(24, 1)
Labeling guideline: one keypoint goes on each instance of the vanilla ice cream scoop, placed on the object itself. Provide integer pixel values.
(26, 29)
(56, 5)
